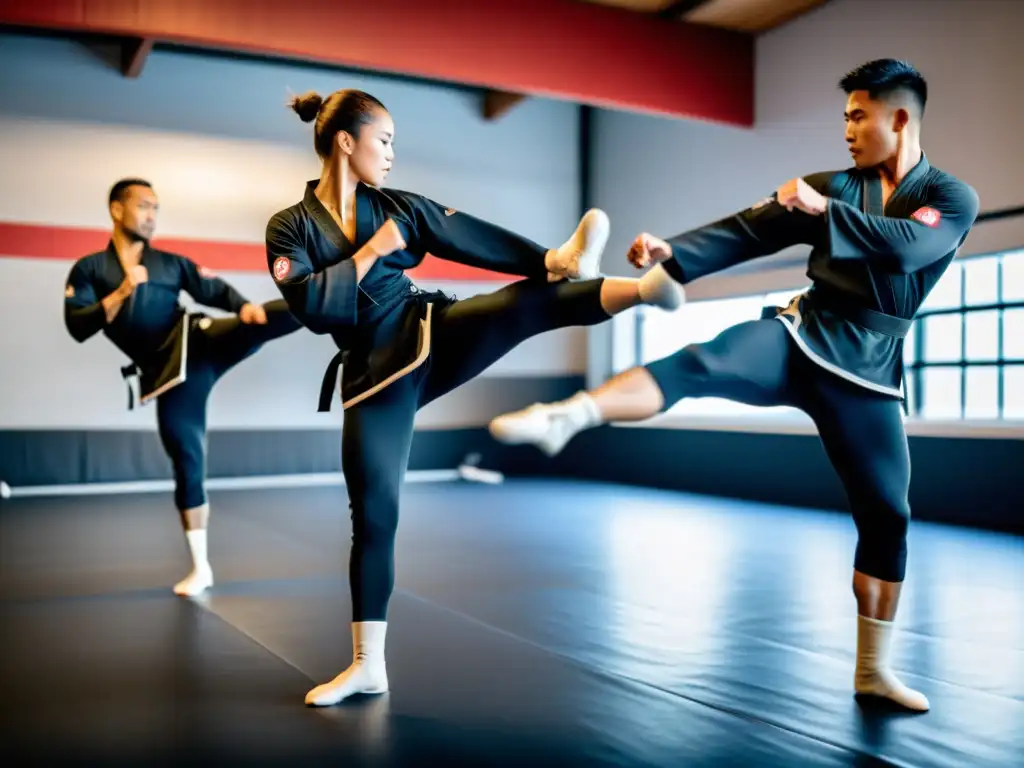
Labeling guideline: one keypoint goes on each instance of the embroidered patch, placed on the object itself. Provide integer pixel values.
(927, 216)
(69, 292)
(207, 272)
(449, 211)
(282, 267)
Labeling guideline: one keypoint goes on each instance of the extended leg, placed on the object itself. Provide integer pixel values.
(746, 363)
(228, 341)
(181, 421)
(865, 440)
(376, 439)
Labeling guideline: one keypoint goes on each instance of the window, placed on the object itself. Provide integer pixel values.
(964, 354)
(662, 333)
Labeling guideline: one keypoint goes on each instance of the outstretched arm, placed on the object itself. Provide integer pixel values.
(459, 237)
(208, 289)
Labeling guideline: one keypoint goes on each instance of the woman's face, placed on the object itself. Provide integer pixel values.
(371, 154)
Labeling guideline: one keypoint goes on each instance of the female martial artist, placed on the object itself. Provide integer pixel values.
(130, 292)
(883, 233)
(339, 256)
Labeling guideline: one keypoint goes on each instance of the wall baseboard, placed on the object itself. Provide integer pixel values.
(963, 481)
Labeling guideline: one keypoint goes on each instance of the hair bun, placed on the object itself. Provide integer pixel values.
(307, 106)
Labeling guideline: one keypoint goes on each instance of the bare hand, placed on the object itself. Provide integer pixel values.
(798, 194)
(136, 275)
(648, 249)
(253, 314)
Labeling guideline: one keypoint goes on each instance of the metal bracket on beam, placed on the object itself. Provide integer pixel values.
(497, 103)
(134, 52)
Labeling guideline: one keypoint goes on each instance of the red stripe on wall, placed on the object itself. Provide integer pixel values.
(35, 241)
(566, 49)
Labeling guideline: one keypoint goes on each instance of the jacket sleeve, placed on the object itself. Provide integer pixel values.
(905, 245)
(208, 289)
(758, 231)
(84, 315)
(322, 301)
(463, 238)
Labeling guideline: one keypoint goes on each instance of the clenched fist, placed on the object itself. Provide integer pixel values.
(648, 249)
(253, 314)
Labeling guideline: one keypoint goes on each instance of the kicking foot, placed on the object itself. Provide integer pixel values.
(200, 580)
(548, 426)
(579, 258)
(873, 676)
(658, 289)
(361, 677)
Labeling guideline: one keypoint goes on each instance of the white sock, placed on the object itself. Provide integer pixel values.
(659, 289)
(873, 676)
(201, 577)
(548, 426)
(366, 674)
(579, 257)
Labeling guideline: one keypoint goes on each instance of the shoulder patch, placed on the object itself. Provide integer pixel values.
(282, 266)
(449, 211)
(69, 292)
(207, 272)
(927, 216)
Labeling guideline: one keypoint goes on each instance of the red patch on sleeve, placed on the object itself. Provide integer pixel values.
(207, 272)
(282, 266)
(927, 216)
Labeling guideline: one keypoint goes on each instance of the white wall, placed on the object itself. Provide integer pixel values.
(666, 176)
(214, 137)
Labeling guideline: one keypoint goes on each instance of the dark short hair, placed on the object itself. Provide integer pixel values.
(345, 110)
(117, 191)
(883, 78)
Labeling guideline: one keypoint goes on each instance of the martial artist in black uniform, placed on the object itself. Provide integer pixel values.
(130, 291)
(882, 234)
(339, 257)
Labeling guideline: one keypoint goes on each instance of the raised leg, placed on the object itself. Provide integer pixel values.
(747, 363)
(228, 341)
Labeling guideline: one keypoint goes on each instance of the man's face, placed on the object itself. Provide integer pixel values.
(136, 212)
(872, 129)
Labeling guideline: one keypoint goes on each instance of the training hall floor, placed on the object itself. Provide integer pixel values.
(534, 623)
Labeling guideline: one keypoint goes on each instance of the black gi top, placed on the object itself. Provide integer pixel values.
(381, 324)
(151, 316)
(871, 269)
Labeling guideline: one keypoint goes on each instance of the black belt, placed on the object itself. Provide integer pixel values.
(848, 309)
(330, 381)
(127, 372)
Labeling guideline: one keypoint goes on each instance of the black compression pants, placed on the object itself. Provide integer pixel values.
(181, 411)
(467, 337)
(759, 364)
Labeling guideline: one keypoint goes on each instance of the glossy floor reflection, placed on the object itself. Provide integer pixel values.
(534, 622)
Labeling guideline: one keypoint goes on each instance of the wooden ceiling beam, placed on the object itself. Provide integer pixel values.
(134, 52)
(498, 103)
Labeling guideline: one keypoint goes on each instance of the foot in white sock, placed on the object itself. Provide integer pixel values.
(873, 676)
(367, 673)
(548, 426)
(658, 289)
(201, 577)
(579, 258)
